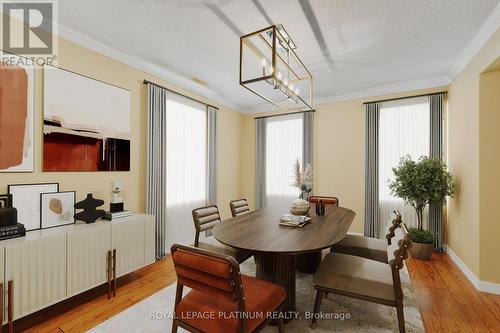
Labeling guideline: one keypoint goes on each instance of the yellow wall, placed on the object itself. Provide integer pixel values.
(489, 179)
(92, 64)
(338, 152)
(463, 233)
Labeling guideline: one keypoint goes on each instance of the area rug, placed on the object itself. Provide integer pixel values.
(154, 314)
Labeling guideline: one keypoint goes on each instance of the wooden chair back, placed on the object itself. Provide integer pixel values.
(205, 218)
(208, 272)
(239, 207)
(396, 222)
(326, 200)
(397, 252)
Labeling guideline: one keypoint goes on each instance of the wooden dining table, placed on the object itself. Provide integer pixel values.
(275, 247)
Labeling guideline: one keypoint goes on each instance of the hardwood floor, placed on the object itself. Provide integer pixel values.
(447, 300)
(82, 312)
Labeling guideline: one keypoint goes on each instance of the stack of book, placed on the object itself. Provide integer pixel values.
(12, 231)
(296, 221)
(117, 215)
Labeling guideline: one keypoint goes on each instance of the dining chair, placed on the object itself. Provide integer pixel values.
(309, 262)
(365, 279)
(326, 200)
(205, 218)
(368, 247)
(239, 207)
(221, 298)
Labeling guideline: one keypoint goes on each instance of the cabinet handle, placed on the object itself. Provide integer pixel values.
(108, 271)
(1, 304)
(10, 304)
(114, 272)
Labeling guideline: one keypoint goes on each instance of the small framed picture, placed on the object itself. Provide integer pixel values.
(5, 201)
(57, 209)
(26, 199)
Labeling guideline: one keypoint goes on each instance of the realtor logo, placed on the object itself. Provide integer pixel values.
(28, 27)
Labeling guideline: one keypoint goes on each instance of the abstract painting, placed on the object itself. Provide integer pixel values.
(57, 209)
(86, 123)
(26, 199)
(16, 114)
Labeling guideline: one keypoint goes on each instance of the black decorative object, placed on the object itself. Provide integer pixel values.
(116, 207)
(5, 201)
(90, 214)
(8, 216)
(320, 208)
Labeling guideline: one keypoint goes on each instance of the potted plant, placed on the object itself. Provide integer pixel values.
(419, 183)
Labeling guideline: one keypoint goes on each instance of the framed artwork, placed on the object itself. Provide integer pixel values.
(26, 199)
(16, 114)
(86, 123)
(57, 209)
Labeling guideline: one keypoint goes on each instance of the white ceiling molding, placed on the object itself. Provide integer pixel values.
(148, 67)
(489, 27)
(393, 88)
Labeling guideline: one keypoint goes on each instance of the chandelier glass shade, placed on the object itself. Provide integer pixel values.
(271, 69)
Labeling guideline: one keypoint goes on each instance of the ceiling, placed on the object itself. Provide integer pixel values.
(349, 46)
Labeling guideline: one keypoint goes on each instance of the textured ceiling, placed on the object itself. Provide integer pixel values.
(348, 45)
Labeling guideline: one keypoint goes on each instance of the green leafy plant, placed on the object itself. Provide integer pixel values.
(421, 236)
(422, 182)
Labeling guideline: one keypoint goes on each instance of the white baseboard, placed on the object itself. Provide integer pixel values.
(485, 286)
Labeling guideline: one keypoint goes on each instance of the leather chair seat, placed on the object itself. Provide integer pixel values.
(355, 275)
(260, 297)
(361, 246)
(213, 245)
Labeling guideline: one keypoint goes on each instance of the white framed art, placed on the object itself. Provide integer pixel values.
(26, 199)
(57, 209)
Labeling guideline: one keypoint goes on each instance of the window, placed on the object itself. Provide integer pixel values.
(404, 129)
(186, 156)
(283, 147)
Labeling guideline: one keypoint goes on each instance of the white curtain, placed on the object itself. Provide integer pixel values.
(186, 166)
(404, 129)
(284, 146)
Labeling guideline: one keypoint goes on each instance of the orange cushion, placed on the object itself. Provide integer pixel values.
(326, 200)
(203, 263)
(208, 314)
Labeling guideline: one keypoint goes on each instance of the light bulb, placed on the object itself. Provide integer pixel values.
(297, 91)
(291, 86)
(263, 62)
(278, 75)
(285, 82)
(271, 69)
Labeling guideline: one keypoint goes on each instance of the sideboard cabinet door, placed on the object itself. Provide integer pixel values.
(87, 252)
(128, 239)
(4, 285)
(38, 271)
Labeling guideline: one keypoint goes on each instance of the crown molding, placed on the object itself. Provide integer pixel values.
(140, 64)
(387, 89)
(489, 27)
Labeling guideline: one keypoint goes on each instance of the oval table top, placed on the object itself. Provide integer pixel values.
(259, 231)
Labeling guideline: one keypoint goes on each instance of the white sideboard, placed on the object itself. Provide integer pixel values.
(48, 266)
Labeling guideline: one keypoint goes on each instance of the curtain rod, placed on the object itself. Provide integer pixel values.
(283, 114)
(399, 98)
(178, 93)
